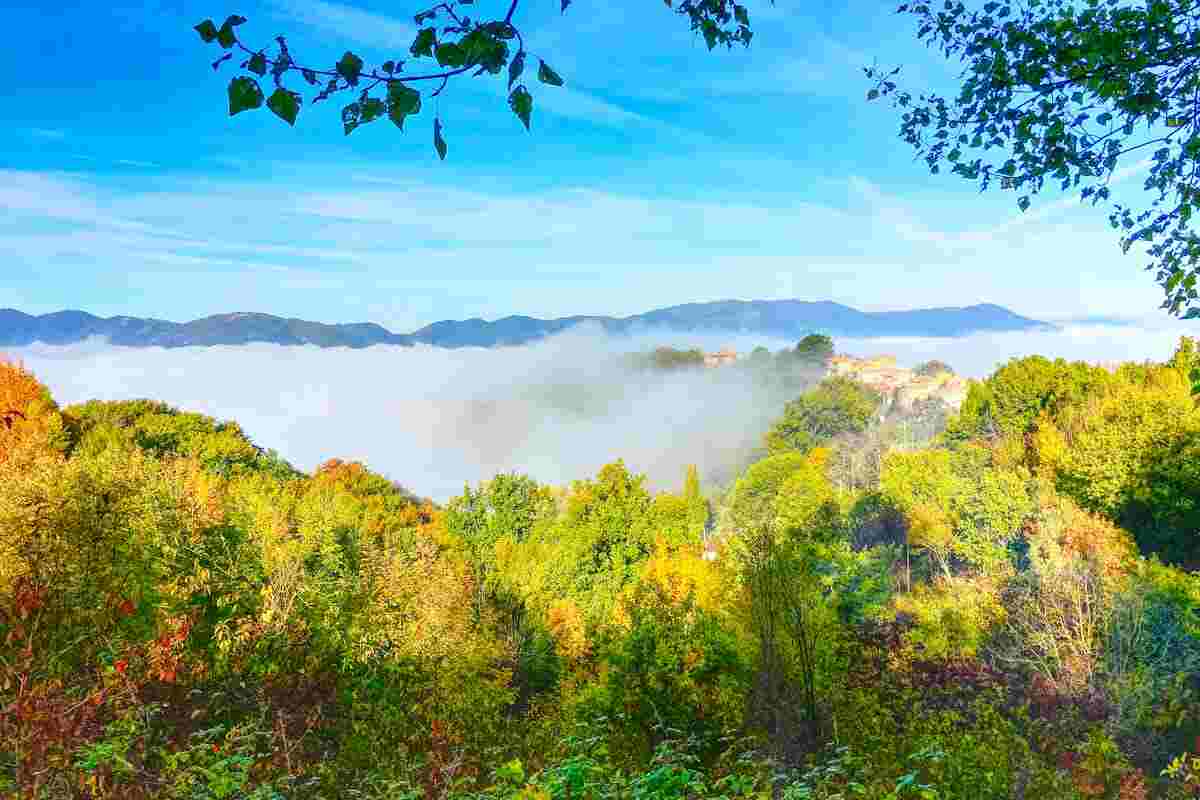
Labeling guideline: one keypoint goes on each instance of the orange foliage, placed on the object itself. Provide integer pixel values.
(27, 411)
(1109, 549)
(372, 489)
(566, 625)
(204, 494)
(677, 573)
(335, 471)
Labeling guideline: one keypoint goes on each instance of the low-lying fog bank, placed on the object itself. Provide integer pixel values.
(434, 419)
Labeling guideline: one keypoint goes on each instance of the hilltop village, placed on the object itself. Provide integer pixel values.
(901, 387)
(898, 385)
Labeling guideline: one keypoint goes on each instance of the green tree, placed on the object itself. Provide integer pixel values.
(1187, 360)
(451, 42)
(1133, 457)
(1011, 399)
(752, 502)
(787, 517)
(610, 518)
(166, 432)
(1064, 92)
(678, 672)
(507, 506)
(836, 406)
(806, 503)
(698, 511)
(816, 348)
(959, 508)
(672, 358)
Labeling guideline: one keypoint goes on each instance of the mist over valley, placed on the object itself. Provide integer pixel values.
(434, 419)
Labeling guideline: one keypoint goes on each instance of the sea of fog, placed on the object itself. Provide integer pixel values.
(434, 419)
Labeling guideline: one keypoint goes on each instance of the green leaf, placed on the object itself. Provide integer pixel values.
(258, 64)
(423, 44)
(450, 54)
(515, 68)
(872, 95)
(741, 15)
(244, 94)
(521, 103)
(350, 67)
(207, 30)
(512, 772)
(350, 117)
(501, 30)
(484, 48)
(1023, 203)
(309, 76)
(225, 36)
(389, 67)
(439, 143)
(547, 75)
(372, 109)
(403, 101)
(565, 3)
(285, 104)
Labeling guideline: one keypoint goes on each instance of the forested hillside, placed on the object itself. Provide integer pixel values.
(887, 603)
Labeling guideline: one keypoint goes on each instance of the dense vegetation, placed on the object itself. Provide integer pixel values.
(883, 605)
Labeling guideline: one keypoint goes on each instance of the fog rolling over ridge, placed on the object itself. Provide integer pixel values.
(559, 409)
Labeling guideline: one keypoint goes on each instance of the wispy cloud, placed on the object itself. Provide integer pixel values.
(354, 24)
(53, 134)
(577, 104)
(480, 248)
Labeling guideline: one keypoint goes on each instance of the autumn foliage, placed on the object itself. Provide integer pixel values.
(1002, 611)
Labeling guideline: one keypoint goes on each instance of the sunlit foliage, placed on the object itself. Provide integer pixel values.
(185, 615)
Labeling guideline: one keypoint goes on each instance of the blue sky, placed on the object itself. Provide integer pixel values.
(660, 174)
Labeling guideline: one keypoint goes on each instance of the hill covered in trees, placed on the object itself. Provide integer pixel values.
(783, 318)
(887, 602)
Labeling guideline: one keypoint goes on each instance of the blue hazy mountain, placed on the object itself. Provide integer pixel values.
(789, 319)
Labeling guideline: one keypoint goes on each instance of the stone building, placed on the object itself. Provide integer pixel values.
(899, 386)
(726, 355)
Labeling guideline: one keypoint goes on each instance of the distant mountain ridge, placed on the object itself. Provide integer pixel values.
(777, 318)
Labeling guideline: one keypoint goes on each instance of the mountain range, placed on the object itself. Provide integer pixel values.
(776, 318)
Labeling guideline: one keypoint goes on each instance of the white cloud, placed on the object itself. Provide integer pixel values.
(576, 104)
(352, 23)
(52, 134)
(511, 251)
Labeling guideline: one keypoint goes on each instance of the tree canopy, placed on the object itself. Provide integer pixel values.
(1062, 93)
(836, 406)
(816, 347)
(1007, 612)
